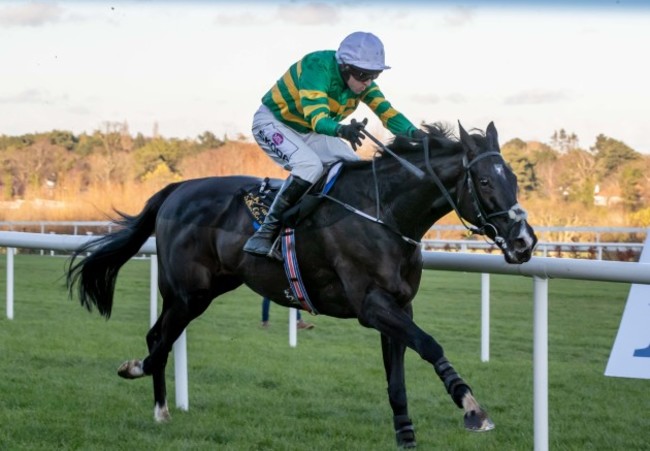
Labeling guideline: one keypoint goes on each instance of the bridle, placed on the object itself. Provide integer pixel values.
(515, 212)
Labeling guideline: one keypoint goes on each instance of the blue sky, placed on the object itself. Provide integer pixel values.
(531, 67)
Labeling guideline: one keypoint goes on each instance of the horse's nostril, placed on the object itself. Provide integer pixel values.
(520, 245)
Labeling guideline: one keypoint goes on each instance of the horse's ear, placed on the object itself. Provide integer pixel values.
(468, 143)
(492, 136)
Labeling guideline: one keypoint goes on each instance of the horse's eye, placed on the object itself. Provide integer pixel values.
(484, 182)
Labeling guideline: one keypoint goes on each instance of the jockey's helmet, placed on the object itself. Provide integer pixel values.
(362, 50)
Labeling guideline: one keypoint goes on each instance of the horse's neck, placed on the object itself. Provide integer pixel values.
(413, 205)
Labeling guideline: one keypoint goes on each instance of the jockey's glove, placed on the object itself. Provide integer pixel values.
(352, 132)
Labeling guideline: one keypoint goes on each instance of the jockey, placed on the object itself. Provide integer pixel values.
(298, 124)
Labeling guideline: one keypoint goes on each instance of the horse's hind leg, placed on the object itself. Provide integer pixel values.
(176, 315)
(161, 411)
(173, 319)
(161, 338)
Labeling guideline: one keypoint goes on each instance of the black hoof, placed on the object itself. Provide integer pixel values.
(405, 433)
(406, 442)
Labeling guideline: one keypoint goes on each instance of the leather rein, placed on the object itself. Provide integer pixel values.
(515, 212)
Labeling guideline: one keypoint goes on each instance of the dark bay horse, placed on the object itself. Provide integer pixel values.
(358, 252)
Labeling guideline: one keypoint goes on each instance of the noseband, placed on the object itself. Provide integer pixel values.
(515, 212)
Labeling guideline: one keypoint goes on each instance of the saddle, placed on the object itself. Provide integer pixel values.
(259, 198)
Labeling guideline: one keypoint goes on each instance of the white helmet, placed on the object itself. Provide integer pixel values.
(362, 50)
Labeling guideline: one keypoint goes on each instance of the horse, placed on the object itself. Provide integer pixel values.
(358, 251)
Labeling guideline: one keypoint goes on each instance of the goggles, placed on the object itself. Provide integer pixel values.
(362, 75)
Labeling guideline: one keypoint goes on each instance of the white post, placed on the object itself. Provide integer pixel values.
(293, 327)
(540, 363)
(10, 282)
(153, 290)
(180, 372)
(485, 317)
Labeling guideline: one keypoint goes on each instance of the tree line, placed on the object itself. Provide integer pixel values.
(561, 170)
(608, 178)
(35, 161)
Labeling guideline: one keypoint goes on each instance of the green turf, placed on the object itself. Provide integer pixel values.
(250, 391)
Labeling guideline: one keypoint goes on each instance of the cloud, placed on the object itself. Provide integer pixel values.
(535, 97)
(32, 14)
(30, 97)
(239, 20)
(309, 14)
(432, 99)
(456, 98)
(459, 16)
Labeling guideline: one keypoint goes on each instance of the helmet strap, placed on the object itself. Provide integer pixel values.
(344, 70)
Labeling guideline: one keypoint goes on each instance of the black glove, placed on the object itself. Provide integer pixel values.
(352, 132)
(418, 135)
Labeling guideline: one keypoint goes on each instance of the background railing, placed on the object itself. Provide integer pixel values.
(592, 243)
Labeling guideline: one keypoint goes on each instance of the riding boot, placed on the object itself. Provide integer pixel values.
(262, 241)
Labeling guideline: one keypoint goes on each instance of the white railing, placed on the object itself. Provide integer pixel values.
(591, 250)
(539, 268)
(591, 244)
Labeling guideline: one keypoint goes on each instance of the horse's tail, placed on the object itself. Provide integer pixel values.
(94, 276)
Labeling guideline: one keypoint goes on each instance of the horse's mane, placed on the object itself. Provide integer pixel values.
(441, 138)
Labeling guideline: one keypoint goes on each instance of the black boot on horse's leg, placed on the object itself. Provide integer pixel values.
(404, 431)
(262, 241)
(455, 385)
(475, 418)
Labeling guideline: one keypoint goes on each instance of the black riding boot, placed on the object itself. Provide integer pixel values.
(262, 241)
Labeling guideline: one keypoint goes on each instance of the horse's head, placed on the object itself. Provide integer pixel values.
(487, 196)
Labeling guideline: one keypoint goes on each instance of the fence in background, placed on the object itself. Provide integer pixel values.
(594, 243)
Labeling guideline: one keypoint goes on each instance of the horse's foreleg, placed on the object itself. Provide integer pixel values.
(382, 312)
(476, 419)
(393, 353)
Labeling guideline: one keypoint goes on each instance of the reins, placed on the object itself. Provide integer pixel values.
(445, 192)
(419, 173)
(482, 216)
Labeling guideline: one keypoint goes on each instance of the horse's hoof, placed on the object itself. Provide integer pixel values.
(161, 414)
(405, 436)
(478, 421)
(131, 369)
(406, 444)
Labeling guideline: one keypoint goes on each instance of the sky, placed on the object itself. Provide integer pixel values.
(189, 67)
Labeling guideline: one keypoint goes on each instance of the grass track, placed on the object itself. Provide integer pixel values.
(250, 391)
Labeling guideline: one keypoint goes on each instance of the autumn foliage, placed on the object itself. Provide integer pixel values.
(60, 176)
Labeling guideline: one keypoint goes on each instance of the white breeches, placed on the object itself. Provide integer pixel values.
(304, 154)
